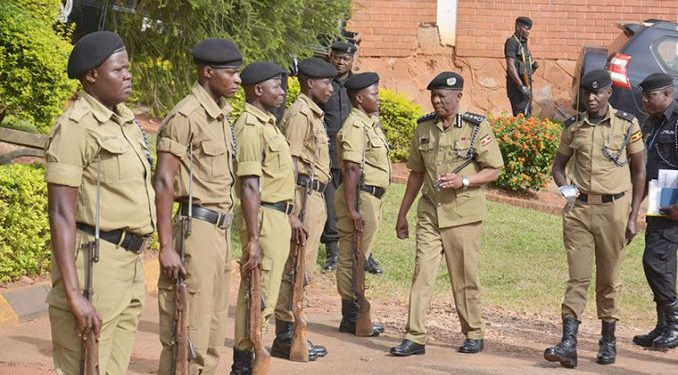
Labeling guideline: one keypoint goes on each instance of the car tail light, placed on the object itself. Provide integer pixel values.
(617, 68)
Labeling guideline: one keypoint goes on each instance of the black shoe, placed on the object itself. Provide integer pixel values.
(647, 340)
(669, 336)
(349, 313)
(566, 351)
(282, 344)
(332, 250)
(408, 348)
(472, 346)
(316, 350)
(242, 362)
(607, 354)
(373, 267)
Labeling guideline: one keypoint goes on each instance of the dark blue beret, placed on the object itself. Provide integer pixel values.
(343, 47)
(259, 72)
(217, 53)
(317, 68)
(446, 81)
(91, 51)
(525, 21)
(595, 79)
(361, 80)
(656, 81)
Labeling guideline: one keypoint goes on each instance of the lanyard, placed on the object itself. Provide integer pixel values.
(655, 132)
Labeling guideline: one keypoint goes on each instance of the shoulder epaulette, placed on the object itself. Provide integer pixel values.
(428, 117)
(572, 120)
(187, 107)
(472, 117)
(625, 116)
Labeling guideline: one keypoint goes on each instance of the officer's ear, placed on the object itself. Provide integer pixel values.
(459, 94)
(258, 90)
(90, 76)
(205, 71)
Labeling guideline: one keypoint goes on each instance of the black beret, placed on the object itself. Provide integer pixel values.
(257, 72)
(317, 68)
(595, 79)
(361, 80)
(446, 81)
(656, 81)
(217, 53)
(91, 51)
(525, 21)
(343, 47)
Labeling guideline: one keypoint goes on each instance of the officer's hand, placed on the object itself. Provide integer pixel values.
(171, 263)
(671, 211)
(630, 230)
(299, 234)
(402, 228)
(450, 180)
(358, 221)
(525, 91)
(87, 316)
(251, 256)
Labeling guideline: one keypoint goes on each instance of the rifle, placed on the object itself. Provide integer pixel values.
(183, 351)
(299, 347)
(253, 298)
(364, 324)
(89, 364)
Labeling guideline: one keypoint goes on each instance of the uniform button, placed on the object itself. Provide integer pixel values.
(439, 204)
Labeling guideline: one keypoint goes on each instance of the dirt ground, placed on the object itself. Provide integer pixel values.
(514, 344)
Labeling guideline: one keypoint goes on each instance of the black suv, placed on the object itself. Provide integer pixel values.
(640, 50)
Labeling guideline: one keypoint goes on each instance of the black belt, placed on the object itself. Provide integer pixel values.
(130, 241)
(221, 219)
(302, 180)
(604, 198)
(282, 206)
(374, 190)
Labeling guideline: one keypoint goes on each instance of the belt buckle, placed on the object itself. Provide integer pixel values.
(289, 207)
(224, 220)
(594, 199)
(145, 244)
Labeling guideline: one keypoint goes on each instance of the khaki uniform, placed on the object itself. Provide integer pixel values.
(360, 132)
(304, 129)
(264, 152)
(449, 221)
(200, 121)
(87, 130)
(597, 229)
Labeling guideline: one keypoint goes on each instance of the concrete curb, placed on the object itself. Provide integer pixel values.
(28, 303)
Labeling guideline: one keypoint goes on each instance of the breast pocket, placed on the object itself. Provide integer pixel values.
(116, 161)
(460, 149)
(427, 153)
(213, 161)
(276, 157)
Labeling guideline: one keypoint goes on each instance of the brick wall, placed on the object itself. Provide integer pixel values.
(389, 27)
(561, 27)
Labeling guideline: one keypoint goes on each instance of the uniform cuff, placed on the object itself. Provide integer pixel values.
(416, 167)
(565, 150)
(173, 147)
(355, 157)
(63, 174)
(249, 168)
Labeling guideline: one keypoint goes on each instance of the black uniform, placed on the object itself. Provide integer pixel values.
(516, 48)
(661, 237)
(336, 111)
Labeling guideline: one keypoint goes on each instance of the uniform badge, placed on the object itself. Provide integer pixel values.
(451, 81)
(637, 136)
(486, 140)
(424, 141)
(594, 84)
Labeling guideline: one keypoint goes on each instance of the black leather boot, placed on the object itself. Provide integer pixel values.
(332, 250)
(408, 348)
(646, 340)
(283, 341)
(373, 267)
(669, 336)
(566, 351)
(242, 362)
(349, 313)
(317, 351)
(607, 354)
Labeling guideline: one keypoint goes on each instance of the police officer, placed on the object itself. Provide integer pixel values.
(453, 156)
(519, 68)
(195, 140)
(604, 196)
(336, 112)
(96, 141)
(305, 132)
(360, 143)
(661, 236)
(265, 172)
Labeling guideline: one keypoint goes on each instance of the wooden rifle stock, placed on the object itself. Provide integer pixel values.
(183, 351)
(90, 346)
(299, 348)
(262, 358)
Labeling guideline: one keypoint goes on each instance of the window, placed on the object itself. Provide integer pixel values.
(667, 54)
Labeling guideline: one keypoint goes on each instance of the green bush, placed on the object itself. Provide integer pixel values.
(398, 120)
(33, 60)
(24, 227)
(528, 146)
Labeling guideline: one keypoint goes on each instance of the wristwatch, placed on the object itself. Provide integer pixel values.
(465, 183)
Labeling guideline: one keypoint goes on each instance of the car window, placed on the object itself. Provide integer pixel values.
(666, 50)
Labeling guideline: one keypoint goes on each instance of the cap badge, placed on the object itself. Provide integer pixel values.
(451, 81)
(594, 84)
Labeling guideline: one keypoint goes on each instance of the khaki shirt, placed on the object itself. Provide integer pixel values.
(89, 129)
(303, 126)
(360, 132)
(593, 171)
(263, 152)
(200, 121)
(437, 151)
